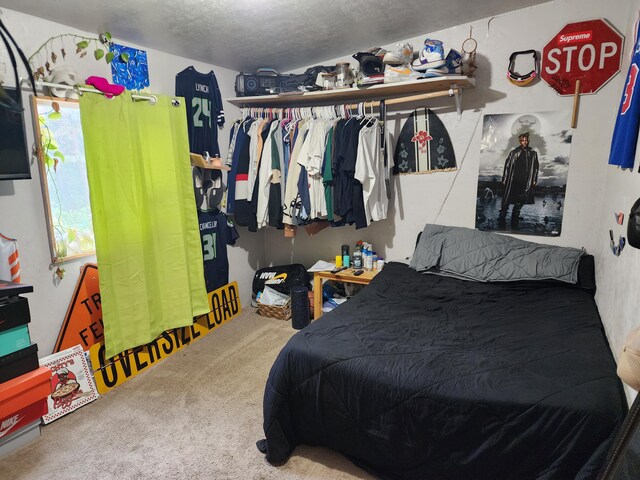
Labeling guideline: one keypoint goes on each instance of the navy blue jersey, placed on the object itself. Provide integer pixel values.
(216, 232)
(625, 133)
(204, 109)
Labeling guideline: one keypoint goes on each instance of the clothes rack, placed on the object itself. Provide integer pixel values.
(136, 96)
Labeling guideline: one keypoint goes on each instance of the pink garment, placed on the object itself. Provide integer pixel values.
(101, 83)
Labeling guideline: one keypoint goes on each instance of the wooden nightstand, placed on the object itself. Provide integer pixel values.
(343, 276)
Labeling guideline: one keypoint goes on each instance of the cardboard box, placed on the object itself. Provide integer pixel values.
(72, 383)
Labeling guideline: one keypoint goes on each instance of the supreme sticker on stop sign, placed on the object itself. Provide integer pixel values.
(588, 51)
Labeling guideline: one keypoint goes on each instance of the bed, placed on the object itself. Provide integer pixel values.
(429, 376)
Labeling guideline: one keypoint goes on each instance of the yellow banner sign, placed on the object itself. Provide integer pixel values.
(111, 372)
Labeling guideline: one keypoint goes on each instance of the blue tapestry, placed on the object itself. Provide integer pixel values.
(133, 74)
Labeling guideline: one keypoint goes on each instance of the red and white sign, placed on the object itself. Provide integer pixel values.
(588, 51)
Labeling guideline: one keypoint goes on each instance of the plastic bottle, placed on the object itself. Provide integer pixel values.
(367, 258)
(374, 261)
(345, 255)
(357, 256)
(380, 263)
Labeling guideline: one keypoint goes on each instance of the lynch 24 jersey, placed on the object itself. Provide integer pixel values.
(204, 109)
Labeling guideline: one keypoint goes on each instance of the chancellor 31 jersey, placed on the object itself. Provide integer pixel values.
(204, 109)
(216, 232)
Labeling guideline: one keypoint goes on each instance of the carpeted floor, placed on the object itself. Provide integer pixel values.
(195, 415)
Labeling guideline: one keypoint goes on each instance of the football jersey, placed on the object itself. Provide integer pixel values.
(216, 232)
(9, 262)
(204, 109)
(625, 133)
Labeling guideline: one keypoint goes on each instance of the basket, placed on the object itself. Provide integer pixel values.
(281, 312)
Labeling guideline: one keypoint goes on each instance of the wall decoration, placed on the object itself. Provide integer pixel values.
(55, 62)
(520, 192)
(129, 67)
(71, 384)
(63, 175)
(423, 145)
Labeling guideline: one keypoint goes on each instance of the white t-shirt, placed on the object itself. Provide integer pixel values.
(370, 172)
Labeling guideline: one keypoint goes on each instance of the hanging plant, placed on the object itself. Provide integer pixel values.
(44, 59)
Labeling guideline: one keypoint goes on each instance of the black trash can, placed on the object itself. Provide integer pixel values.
(299, 307)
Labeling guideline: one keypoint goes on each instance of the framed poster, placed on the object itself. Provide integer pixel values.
(71, 384)
(522, 178)
(63, 177)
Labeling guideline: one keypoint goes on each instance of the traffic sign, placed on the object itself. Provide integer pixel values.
(589, 52)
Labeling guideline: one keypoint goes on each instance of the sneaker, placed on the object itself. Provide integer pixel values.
(435, 72)
(402, 55)
(453, 61)
(431, 56)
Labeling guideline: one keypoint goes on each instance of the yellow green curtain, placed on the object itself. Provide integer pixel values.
(144, 217)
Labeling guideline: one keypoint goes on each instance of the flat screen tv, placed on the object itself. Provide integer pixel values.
(14, 154)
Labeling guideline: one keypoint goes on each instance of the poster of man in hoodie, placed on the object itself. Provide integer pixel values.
(522, 178)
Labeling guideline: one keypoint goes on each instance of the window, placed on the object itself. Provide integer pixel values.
(63, 178)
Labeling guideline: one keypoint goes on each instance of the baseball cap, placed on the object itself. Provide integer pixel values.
(633, 225)
(629, 360)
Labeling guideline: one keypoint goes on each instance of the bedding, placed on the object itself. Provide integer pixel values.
(488, 257)
(433, 377)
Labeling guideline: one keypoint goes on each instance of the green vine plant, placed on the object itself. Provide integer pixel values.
(52, 157)
(45, 58)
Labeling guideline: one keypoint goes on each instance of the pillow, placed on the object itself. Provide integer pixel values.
(490, 257)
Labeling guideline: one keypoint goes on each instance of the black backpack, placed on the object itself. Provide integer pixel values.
(292, 82)
(280, 278)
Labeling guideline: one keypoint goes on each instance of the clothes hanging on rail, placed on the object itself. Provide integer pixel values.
(309, 167)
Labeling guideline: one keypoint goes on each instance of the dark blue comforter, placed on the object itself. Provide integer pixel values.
(430, 377)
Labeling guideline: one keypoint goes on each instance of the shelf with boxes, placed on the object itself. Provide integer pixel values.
(24, 385)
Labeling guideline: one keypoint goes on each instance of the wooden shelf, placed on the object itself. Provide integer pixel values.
(440, 86)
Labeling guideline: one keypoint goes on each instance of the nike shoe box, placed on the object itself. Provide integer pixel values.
(14, 311)
(19, 362)
(19, 438)
(23, 402)
(25, 390)
(14, 339)
(14, 317)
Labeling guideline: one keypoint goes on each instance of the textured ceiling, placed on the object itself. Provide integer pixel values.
(243, 35)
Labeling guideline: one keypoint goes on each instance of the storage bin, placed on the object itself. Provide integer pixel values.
(274, 311)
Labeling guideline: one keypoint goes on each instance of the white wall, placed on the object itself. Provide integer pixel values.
(594, 190)
(21, 206)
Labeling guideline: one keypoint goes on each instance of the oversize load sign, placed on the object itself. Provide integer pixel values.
(588, 51)
(111, 372)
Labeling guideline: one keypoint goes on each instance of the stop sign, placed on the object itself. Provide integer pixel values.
(588, 51)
